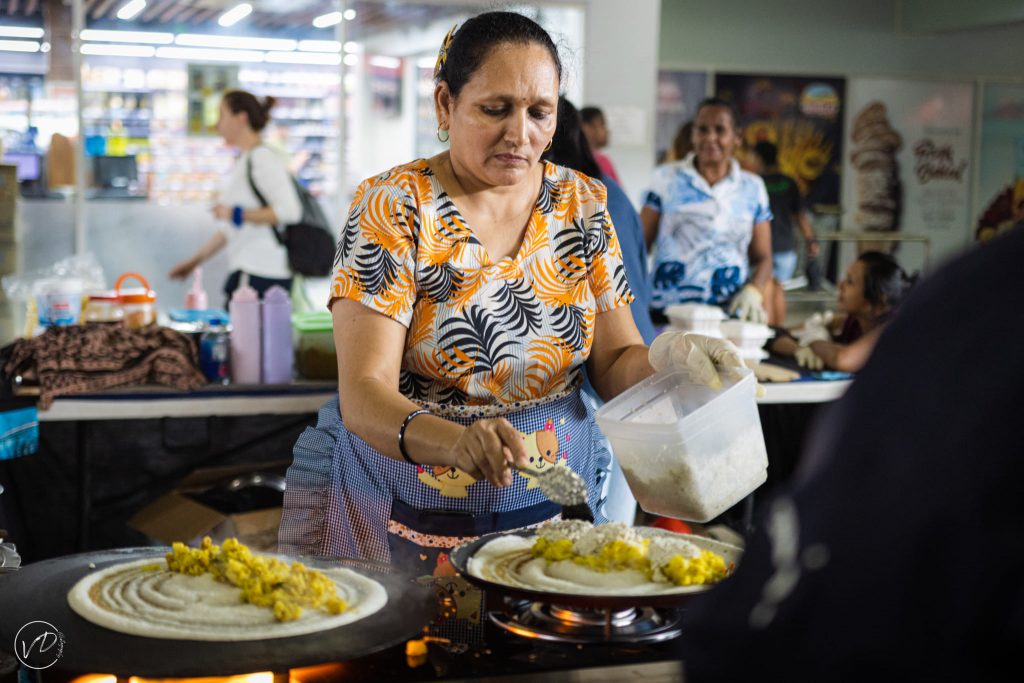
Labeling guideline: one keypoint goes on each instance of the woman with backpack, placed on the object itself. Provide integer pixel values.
(257, 195)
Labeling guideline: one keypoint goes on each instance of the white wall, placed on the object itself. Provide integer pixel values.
(843, 38)
(620, 65)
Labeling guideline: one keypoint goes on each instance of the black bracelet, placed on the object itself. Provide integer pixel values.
(401, 433)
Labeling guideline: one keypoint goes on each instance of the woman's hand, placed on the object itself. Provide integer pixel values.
(222, 212)
(488, 448)
(182, 270)
(698, 354)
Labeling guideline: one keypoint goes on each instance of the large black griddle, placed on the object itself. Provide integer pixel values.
(460, 560)
(39, 592)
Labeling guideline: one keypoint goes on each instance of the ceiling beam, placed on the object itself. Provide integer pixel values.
(12, 7)
(155, 9)
(30, 7)
(101, 8)
(176, 9)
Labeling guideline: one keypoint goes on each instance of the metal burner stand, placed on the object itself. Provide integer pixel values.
(575, 625)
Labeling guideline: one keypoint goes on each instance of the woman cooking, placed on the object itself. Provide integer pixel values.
(469, 291)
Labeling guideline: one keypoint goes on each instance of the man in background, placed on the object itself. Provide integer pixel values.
(596, 131)
(787, 209)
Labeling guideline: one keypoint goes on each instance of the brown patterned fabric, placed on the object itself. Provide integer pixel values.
(86, 358)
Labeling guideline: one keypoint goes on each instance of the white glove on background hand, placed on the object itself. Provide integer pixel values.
(696, 353)
(814, 329)
(807, 358)
(748, 304)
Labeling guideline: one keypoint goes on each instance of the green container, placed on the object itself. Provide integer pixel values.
(315, 357)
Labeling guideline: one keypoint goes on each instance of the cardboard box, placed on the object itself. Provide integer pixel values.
(181, 516)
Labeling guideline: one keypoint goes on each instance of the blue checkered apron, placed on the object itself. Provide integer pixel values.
(344, 499)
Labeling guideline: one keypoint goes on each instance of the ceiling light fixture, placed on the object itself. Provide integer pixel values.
(107, 50)
(144, 37)
(349, 15)
(385, 62)
(351, 46)
(20, 32)
(319, 46)
(130, 9)
(329, 19)
(19, 45)
(200, 53)
(234, 42)
(304, 58)
(235, 14)
(351, 60)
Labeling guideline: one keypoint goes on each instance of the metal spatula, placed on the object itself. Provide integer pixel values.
(563, 486)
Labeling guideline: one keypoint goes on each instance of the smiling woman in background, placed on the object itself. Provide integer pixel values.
(470, 290)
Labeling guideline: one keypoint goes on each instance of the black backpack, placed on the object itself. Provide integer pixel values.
(310, 242)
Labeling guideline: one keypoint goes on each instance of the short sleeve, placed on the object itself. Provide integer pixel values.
(375, 263)
(655, 197)
(762, 208)
(607, 273)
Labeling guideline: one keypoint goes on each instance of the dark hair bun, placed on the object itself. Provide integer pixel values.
(268, 102)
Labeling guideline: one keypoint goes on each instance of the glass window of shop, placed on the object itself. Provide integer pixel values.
(152, 78)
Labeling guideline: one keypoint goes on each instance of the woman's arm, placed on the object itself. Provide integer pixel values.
(650, 219)
(847, 357)
(618, 356)
(760, 255)
(212, 246)
(374, 409)
(264, 215)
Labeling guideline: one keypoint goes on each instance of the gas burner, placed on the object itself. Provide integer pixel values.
(575, 625)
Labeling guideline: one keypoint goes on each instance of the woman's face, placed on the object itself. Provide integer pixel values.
(714, 135)
(505, 114)
(851, 291)
(229, 124)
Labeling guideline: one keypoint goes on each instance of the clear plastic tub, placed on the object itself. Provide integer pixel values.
(688, 451)
(315, 356)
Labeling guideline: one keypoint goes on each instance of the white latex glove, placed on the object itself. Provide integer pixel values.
(814, 329)
(748, 304)
(696, 353)
(807, 358)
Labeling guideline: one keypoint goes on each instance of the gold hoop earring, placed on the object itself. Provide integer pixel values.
(446, 134)
(549, 144)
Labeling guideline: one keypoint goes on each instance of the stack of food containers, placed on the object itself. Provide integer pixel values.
(748, 337)
(688, 451)
(315, 357)
(699, 318)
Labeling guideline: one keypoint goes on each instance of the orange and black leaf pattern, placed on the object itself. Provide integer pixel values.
(482, 332)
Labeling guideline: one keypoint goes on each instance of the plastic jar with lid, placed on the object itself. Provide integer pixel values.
(138, 304)
(103, 307)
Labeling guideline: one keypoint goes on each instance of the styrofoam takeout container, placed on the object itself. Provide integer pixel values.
(748, 337)
(699, 318)
(688, 451)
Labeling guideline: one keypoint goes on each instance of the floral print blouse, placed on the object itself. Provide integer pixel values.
(482, 332)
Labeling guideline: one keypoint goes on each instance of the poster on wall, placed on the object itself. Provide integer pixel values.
(679, 93)
(1000, 200)
(908, 159)
(803, 116)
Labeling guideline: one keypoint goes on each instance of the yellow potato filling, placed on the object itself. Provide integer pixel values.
(266, 582)
(622, 555)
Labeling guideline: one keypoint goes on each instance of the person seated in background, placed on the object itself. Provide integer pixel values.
(596, 129)
(869, 294)
(571, 149)
(709, 223)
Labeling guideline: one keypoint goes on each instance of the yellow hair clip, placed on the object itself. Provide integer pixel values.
(442, 54)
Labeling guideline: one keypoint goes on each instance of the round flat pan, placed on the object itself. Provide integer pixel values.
(460, 560)
(38, 592)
